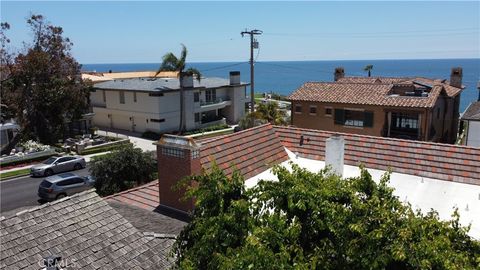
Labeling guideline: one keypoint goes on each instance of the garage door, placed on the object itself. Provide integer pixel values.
(122, 122)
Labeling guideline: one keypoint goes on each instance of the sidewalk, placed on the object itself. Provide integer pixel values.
(135, 138)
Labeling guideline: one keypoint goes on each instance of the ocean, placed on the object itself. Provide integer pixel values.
(284, 77)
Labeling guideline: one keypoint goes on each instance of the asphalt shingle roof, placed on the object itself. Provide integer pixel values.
(372, 91)
(472, 112)
(85, 231)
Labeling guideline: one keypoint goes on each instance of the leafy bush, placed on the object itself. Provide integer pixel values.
(151, 135)
(122, 169)
(207, 129)
(311, 220)
(33, 146)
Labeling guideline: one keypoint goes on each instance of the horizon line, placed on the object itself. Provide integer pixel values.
(315, 60)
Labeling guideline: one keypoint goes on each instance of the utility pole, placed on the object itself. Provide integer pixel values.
(253, 45)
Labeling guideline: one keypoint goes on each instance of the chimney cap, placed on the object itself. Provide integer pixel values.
(178, 142)
(232, 73)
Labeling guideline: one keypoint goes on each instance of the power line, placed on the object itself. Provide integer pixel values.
(226, 66)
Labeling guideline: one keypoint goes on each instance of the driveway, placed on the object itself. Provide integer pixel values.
(135, 138)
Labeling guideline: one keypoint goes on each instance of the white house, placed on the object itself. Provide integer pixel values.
(153, 104)
(471, 121)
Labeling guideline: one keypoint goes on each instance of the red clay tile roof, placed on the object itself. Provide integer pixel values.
(432, 160)
(145, 196)
(251, 151)
(450, 90)
(372, 91)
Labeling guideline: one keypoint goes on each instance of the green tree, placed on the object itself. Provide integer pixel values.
(43, 85)
(311, 220)
(268, 112)
(368, 68)
(122, 169)
(170, 62)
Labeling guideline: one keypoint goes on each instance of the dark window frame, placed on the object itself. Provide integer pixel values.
(298, 108)
(121, 96)
(157, 120)
(196, 97)
(314, 107)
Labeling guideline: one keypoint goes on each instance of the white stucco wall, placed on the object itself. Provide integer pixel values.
(473, 137)
(422, 193)
(135, 115)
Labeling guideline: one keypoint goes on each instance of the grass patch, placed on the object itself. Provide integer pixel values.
(103, 149)
(14, 173)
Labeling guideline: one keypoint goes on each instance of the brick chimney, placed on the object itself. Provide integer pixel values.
(339, 73)
(177, 157)
(456, 77)
(234, 77)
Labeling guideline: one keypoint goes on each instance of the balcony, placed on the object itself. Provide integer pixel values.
(216, 104)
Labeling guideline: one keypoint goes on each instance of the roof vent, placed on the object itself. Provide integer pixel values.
(52, 262)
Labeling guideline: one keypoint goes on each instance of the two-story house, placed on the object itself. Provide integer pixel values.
(153, 104)
(414, 108)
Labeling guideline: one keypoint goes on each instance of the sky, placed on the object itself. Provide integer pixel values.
(142, 32)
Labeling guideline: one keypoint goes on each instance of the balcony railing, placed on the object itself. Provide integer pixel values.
(216, 101)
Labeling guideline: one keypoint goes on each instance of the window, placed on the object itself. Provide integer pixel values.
(210, 95)
(173, 152)
(197, 117)
(157, 120)
(155, 94)
(104, 94)
(313, 110)
(298, 108)
(62, 160)
(134, 96)
(328, 111)
(404, 121)
(71, 181)
(196, 97)
(122, 97)
(353, 118)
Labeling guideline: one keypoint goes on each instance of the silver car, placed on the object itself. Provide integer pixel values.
(64, 184)
(55, 165)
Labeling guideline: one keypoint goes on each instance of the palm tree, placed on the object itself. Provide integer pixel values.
(368, 68)
(265, 113)
(171, 63)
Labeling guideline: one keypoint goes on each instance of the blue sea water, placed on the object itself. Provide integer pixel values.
(286, 76)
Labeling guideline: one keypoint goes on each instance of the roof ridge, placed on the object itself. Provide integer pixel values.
(377, 137)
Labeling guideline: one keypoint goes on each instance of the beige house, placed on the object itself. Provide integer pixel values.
(153, 104)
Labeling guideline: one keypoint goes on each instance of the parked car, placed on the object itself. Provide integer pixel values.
(64, 184)
(55, 165)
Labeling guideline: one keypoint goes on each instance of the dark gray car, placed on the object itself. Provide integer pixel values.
(64, 184)
(55, 165)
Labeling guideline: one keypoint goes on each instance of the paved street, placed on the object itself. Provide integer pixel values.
(22, 192)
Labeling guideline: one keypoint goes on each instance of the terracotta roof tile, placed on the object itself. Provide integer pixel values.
(439, 161)
(251, 151)
(145, 196)
(373, 91)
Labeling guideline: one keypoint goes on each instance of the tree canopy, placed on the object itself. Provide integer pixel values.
(311, 220)
(122, 169)
(170, 62)
(42, 84)
(268, 112)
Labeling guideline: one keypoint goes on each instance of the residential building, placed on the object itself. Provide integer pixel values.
(427, 175)
(413, 108)
(153, 104)
(471, 123)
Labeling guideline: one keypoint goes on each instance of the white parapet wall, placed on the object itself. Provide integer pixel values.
(26, 156)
